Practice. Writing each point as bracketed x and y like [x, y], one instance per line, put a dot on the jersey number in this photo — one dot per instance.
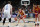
[7, 7]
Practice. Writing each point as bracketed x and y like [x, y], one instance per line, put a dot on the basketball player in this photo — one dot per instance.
[22, 15]
[7, 12]
[36, 12]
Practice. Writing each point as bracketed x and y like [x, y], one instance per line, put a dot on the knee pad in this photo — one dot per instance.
[4, 19]
[9, 19]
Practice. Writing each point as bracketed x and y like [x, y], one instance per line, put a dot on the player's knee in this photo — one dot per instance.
[4, 19]
[10, 20]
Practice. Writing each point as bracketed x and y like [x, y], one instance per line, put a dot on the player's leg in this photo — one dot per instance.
[36, 15]
[10, 20]
[0, 18]
[9, 17]
[36, 19]
[19, 20]
[23, 19]
[4, 18]
[4, 21]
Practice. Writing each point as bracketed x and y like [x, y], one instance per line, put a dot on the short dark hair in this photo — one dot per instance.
[9, 2]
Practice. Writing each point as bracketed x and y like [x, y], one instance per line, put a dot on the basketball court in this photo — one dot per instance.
[21, 24]
[29, 22]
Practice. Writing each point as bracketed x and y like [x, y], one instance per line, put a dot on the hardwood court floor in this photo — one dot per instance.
[20, 24]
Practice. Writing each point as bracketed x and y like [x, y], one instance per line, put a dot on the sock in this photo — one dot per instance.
[4, 21]
[9, 24]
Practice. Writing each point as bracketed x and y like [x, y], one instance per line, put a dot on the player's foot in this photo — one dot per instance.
[17, 25]
[25, 25]
[37, 24]
[8, 26]
[3, 22]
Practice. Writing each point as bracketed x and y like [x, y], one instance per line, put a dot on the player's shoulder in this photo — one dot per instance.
[10, 5]
[23, 11]
[6, 4]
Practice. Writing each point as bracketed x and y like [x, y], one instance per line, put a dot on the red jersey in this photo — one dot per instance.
[39, 10]
[36, 10]
[21, 13]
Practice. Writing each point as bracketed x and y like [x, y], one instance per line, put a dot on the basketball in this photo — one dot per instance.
[24, 16]
[15, 19]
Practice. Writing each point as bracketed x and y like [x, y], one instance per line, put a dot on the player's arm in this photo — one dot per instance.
[11, 10]
[33, 9]
[18, 14]
[38, 15]
[2, 11]
[23, 12]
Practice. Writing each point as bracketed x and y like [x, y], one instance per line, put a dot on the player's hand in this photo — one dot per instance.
[22, 16]
[11, 16]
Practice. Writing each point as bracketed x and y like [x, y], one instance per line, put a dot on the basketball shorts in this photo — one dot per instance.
[23, 17]
[36, 15]
[7, 15]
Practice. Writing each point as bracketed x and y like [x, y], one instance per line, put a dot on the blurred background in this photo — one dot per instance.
[17, 4]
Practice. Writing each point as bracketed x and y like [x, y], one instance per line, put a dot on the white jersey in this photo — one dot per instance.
[7, 8]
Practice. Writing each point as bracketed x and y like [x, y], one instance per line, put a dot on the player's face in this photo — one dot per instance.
[19, 9]
[9, 3]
